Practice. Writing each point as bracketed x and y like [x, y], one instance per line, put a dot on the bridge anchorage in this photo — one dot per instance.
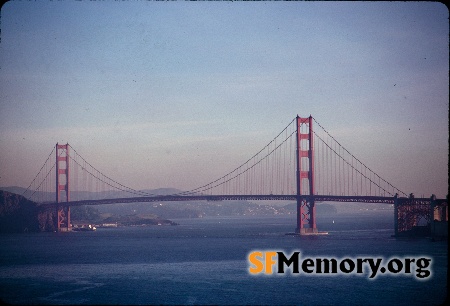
[421, 217]
[300, 164]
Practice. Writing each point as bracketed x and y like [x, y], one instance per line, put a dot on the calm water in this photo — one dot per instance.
[204, 261]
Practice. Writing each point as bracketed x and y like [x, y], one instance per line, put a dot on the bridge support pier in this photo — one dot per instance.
[306, 216]
[63, 219]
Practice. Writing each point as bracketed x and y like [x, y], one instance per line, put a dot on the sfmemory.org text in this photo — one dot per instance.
[276, 262]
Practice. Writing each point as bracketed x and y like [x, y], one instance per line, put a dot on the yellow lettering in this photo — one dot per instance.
[270, 262]
[257, 264]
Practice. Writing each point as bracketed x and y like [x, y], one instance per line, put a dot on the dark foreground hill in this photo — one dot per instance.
[18, 214]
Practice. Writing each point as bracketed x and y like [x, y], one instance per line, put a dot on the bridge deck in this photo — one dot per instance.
[269, 197]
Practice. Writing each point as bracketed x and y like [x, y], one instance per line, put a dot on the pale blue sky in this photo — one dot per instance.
[176, 94]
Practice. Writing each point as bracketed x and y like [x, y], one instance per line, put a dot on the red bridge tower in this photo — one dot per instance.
[306, 210]
[62, 184]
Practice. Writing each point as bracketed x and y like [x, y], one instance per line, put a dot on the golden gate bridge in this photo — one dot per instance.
[301, 163]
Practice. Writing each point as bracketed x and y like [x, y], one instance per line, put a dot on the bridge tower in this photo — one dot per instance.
[62, 184]
[306, 210]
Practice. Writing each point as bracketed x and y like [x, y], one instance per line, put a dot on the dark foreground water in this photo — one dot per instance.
[204, 261]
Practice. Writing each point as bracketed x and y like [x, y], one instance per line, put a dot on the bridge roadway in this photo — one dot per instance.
[177, 198]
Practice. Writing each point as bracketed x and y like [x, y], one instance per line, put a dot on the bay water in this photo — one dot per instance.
[205, 261]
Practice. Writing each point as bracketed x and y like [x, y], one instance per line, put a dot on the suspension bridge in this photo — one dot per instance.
[302, 164]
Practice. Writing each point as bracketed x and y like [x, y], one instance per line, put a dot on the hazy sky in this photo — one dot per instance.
[175, 94]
